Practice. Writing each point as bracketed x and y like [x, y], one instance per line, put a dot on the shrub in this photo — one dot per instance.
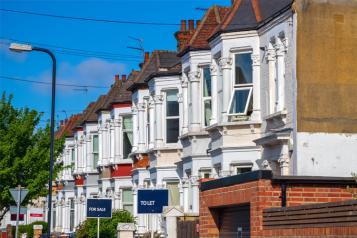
[28, 229]
[108, 226]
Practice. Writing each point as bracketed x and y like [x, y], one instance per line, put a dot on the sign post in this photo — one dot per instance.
[99, 208]
[18, 194]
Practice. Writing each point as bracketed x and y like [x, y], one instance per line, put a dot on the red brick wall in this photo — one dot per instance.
[262, 194]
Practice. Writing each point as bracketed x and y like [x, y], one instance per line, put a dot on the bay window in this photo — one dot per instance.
[206, 95]
[172, 116]
[95, 144]
[241, 100]
[127, 135]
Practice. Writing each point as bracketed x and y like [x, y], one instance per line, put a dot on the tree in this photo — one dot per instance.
[24, 153]
[108, 227]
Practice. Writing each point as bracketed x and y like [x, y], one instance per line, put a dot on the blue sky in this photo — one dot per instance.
[90, 36]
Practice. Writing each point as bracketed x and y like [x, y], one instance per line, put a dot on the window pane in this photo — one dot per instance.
[128, 208]
[174, 195]
[95, 144]
[172, 105]
[243, 170]
[127, 143]
[172, 130]
[206, 82]
[240, 99]
[72, 156]
[243, 68]
[208, 111]
[127, 123]
[127, 196]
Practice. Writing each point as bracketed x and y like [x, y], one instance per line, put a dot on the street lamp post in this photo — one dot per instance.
[22, 48]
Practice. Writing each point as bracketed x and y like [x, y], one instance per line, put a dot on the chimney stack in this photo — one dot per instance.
[61, 122]
[117, 77]
[146, 58]
[123, 77]
[198, 22]
[183, 25]
[191, 26]
[65, 121]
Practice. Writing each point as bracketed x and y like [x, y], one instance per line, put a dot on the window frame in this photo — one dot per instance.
[127, 203]
[246, 105]
[170, 117]
[236, 87]
[205, 98]
[126, 131]
[93, 152]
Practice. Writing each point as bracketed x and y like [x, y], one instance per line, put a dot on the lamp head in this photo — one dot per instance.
[20, 47]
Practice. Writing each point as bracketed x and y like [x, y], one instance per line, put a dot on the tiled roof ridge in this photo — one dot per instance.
[66, 129]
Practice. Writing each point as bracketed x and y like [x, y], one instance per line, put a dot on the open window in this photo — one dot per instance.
[241, 102]
[127, 135]
[206, 95]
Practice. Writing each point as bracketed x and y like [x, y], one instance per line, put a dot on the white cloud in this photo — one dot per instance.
[92, 71]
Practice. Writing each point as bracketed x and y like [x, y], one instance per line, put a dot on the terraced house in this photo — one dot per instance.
[258, 97]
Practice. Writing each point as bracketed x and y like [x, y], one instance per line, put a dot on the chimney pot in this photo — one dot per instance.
[146, 58]
[123, 77]
[61, 122]
[183, 25]
[116, 77]
[198, 22]
[191, 25]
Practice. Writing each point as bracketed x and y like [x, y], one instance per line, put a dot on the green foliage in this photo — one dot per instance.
[24, 153]
[28, 229]
[108, 227]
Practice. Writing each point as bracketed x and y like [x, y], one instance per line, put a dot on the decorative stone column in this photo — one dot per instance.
[112, 140]
[158, 118]
[125, 230]
[226, 66]
[84, 152]
[195, 194]
[271, 57]
[256, 115]
[184, 85]
[284, 160]
[185, 191]
[134, 111]
[117, 196]
[89, 151]
[171, 214]
[142, 127]
[214, 92]
[100, 146]
[194, 77]
[152, 122]
[280, 73]
[118, 140]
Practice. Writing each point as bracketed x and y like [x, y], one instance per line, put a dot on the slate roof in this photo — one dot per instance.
[251, 14]
[207, 26]
[159, 61]
[66, 130]
[118, 93]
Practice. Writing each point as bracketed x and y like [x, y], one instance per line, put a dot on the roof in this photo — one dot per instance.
[66, 129]
[89, 114]
[208, 24]
[251, 14]
[118, 93]
[160, 61]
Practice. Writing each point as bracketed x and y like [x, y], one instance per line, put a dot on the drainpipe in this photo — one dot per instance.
[283, 194]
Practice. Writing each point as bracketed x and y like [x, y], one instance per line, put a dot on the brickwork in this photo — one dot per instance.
[262, 194]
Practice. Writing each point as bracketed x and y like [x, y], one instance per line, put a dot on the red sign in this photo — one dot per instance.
[21, 217]
[36, 215]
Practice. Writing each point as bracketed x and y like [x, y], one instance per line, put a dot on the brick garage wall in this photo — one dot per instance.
[262, 194]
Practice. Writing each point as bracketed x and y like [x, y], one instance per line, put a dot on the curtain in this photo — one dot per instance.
[174, 194]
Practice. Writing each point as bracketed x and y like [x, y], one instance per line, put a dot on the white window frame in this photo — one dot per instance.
[122, 195]
[93, 153]
[237, 87]
[246, 105]
[169, 117]
[125, 131]
[203, 97]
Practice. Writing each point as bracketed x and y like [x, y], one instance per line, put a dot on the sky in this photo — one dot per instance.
[87, 52]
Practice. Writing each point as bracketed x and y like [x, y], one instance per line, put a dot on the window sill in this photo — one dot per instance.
[276, 116]
[194, 134]
[235, 123]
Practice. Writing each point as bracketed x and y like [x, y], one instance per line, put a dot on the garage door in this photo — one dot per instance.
[234, 222]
